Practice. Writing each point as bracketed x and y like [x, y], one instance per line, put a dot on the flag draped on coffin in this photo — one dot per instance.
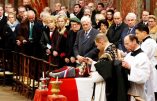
[75, 89]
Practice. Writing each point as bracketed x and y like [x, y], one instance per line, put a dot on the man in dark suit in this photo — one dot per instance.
[3, 21]
[30, 35]
[77, 11]
[145, 17]
[116, 29]
[57, 9]
[84, 45]
[130, 29]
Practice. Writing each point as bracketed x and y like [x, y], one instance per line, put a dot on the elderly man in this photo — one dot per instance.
[149, 46]
[71, 37]
[31, 35]
[138, 68]
[116, 29]
[84, 45]
[131, 23]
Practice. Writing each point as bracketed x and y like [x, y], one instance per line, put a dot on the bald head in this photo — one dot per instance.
[117, 18]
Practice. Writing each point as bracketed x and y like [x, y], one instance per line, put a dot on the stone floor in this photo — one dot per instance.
[6, 94]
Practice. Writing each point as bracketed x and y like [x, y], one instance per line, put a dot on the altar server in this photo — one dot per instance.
[149, 46]
[138, 65]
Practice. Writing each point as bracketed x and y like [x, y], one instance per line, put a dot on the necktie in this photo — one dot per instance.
[129, 31]
[85, 35]
[30, 31]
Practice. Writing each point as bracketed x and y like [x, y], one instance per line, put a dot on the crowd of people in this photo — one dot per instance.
[87, 34]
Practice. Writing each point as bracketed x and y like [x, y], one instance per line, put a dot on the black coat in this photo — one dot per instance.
[3, 22]
[114, 33]
[9, 37]
[116, 79]
[71, 37]
[45, 39]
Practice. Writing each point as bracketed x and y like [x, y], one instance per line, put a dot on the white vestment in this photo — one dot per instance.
[139, 73]
[149, 46]
[99, 94]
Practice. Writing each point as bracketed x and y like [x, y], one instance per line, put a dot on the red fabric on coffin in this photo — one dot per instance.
[40, 95]
[56, 98]
[68, 88]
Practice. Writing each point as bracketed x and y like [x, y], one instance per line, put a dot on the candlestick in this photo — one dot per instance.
[57, 78]
[43, 74]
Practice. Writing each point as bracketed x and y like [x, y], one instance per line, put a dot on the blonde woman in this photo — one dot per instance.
[152, 24]
[59, 41]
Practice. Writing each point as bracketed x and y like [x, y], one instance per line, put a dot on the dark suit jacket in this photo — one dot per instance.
[114, 33]
[125, 33]
[45, 39]
[9, 37]
[3, 22]
[31, 47]
[86, 47]
[141, 22]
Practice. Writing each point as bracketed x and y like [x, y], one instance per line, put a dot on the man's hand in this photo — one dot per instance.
[80, 58]
[48, 51]
[24, 41]
[55, 53]
[18, 42]
[125, 65]
[67, 60]
[88, 60]
[72, 59]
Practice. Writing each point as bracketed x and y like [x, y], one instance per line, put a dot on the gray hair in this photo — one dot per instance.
[86, 19]
[131, 16]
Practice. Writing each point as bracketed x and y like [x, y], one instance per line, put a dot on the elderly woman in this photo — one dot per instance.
[152, 24]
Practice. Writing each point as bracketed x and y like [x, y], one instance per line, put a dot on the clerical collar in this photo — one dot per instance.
[146, 38]
[137, 51]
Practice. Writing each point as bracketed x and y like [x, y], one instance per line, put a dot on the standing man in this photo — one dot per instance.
[138, 68]
[71, 37]
[116, 29]
[84, 45]
[30, 32]
[149, 46]
[131, 24]
[3, 21]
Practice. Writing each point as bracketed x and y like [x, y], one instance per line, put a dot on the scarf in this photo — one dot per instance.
[12, 26]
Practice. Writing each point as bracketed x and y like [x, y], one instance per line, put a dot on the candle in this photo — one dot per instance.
[57, 78]
[43, 74]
